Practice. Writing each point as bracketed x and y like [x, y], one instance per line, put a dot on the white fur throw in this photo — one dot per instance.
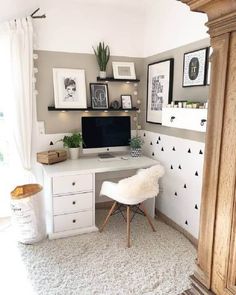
[143, 184]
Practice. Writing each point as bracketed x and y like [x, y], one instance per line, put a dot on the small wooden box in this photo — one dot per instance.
[51, 157]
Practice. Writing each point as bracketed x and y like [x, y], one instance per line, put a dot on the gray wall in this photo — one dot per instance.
[199, 93]
[58, 122]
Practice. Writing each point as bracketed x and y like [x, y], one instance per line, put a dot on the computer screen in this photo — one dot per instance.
[106, 132]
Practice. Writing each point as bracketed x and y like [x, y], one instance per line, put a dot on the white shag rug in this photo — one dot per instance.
[99, 263]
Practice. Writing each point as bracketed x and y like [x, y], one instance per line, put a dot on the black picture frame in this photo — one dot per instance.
[165, 67]
[99, 103]
[201, 76]
[122, 102]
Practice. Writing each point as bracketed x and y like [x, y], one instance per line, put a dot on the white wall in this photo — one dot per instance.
[76, 25]
[137, 28]
[171, 24]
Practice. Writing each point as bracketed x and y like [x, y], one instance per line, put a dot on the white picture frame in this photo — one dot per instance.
[123, 70]
[69, 88]
[126, 101]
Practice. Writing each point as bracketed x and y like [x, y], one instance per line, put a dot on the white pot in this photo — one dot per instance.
[103, 74]
[74, 153]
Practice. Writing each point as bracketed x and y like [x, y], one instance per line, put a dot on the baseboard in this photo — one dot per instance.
[104, 205]
[197, 288]
[171, 223]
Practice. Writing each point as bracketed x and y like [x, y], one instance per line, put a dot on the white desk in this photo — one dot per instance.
[69, 189]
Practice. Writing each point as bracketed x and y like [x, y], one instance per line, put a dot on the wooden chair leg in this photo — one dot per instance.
[108, 216]
[148, 218]
[128, 226]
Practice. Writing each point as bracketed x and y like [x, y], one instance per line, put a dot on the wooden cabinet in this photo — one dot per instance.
[192, 119]
[70, 204]
[216, 262]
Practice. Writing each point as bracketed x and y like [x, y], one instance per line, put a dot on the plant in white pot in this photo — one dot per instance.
[136, 143]
[102, 55]
[73, 143]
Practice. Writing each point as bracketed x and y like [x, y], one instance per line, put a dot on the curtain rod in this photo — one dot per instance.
[37, 16]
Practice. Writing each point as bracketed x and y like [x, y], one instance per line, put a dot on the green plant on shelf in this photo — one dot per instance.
[102, 54]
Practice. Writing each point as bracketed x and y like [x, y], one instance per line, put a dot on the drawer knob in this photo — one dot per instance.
[73, 183]
[172, 118]
[74, 221]
[74, 202]
[203, 121]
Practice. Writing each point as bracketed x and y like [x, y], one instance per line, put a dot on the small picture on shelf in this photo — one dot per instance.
[99, 96]
[126, 101]
[123, 70]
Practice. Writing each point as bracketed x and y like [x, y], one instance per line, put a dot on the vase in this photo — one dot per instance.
[103, 74]
[74, 153]
[136, 152]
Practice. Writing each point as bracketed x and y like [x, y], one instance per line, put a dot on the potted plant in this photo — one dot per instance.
[136, 143]
[102, 55]
[73, 143]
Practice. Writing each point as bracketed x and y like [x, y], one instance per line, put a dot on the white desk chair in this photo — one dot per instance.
[130, 193]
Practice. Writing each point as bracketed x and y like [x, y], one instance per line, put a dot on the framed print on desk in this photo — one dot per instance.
[159, 89]
[69, 88]
[126, 101]
[99, 96]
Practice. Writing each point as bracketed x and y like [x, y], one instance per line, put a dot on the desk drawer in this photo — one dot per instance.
[72, 183]
[73, 221]
[72, 203]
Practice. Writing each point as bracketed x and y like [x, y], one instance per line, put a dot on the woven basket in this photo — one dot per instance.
[136, 152]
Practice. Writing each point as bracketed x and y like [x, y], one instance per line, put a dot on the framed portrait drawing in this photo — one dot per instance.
[69, 88]
[195, 68]
[126, 101]
[99, 96]
[123, 70]
[159, 89]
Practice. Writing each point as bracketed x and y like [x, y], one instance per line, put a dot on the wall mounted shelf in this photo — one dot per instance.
[52, 108]
[111, 79]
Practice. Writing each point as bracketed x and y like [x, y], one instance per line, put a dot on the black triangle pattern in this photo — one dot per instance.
[176, 194]
[180, 167]
[162, 149]
[189, 151]
[171, 167]
[173, 149]
[200, 152]
[153, 154]
[144, 134]
[51, 143]
[150, 143]
[157, 142]
[196, 173]
[186, 222]
[159, 138]
[185, 186]
[196, 207]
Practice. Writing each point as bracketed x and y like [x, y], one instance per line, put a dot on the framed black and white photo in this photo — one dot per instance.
[99, 95]
[195, 68]
[69, 88]
[126, 101]
[159, 89]
[124, 70]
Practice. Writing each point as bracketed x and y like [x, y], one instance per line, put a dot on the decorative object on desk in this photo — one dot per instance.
[195, 68]
[51, 157]
[69, 88]
[102, 55]
[99, 95]
[123, 70]
[136, 143]
[159, 92]
[126, 101]
[73, 143]
[115, 105]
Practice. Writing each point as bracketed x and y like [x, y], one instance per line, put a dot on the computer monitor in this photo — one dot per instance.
[105, 134]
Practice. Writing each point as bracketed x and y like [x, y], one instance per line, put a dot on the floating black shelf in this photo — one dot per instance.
[111, 79]
[52, 108]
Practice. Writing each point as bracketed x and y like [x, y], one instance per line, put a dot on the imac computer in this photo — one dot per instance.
[106, 134]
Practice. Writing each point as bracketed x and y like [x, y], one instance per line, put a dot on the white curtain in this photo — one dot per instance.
[17, 76]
